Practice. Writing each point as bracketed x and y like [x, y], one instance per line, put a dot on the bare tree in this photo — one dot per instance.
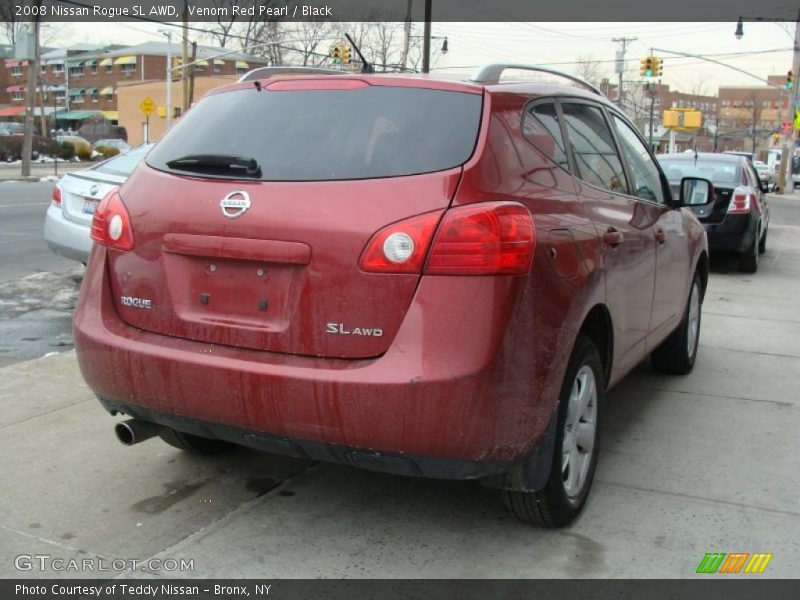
[698, 86]
[9, 25]
[310, 40]
[589, 69]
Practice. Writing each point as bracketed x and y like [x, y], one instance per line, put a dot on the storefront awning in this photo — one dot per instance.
[74, 64]
[111, 115]
[217, 61]
[76, 92]
[240, 64]
[16, 63]
[91, 91]
[106, 62]
[106, 91]
[91, 63]
[12, 111]
[201, 63]
[16, 88]
[75, 115]
[125, 60]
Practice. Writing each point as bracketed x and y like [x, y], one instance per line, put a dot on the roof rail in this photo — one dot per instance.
[491, 72]
[269, 72]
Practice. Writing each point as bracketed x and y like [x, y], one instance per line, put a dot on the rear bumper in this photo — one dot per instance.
[735, 234]
[66, 238]
[443, 393]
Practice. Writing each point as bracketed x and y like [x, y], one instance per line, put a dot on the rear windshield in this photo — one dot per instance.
[317, 135]
[726, 173]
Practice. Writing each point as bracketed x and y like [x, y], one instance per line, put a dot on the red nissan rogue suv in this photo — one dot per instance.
[410, 275]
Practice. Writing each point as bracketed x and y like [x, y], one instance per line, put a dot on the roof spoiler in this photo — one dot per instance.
[270, 72]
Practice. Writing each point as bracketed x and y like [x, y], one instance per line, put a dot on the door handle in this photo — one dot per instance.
[612, 237]
[661, 237]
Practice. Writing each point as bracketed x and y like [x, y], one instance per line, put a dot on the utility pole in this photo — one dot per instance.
[652, 90]
[620, 64]
[406, 36]
[794, 106]
[185, 59]
[33, 71]
[426, 38]
[170, 110]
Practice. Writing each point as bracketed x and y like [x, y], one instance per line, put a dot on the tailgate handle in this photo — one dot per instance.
[272, 251]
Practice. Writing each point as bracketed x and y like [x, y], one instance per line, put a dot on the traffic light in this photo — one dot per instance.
[646, 68]
[790, 80]
[658, 67]
[340, 54]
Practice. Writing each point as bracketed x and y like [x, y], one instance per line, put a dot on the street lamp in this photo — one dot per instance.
[739, 29]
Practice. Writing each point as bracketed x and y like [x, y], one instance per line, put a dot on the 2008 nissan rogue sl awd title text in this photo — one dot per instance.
[411, 275]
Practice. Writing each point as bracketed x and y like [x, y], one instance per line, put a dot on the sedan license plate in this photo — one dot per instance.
[89, 206]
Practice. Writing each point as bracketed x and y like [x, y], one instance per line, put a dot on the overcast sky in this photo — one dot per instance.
[551, 43]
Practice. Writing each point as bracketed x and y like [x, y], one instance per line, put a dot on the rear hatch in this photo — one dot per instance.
[268, 259]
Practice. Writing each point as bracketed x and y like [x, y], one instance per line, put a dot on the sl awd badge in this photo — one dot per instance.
[235, 204]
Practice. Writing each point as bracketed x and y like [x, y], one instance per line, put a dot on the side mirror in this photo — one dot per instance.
[696, 192]
[764, 186]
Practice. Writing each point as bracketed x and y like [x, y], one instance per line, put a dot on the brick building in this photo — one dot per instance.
[749, 116]
[82, 81]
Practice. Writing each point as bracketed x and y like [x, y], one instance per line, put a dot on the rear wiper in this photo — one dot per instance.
[205, 162]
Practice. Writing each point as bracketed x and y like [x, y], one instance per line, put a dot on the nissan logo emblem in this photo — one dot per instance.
[235, 204]
[94, 189]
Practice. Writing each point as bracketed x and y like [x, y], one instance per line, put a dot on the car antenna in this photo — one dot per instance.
[257, 84]
[366, 67]
[695, 156]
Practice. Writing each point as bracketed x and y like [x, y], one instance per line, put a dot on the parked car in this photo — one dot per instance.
[75, 198]
[765, 173]
[78, 143]
[415, 276]
[14, 128]
[120, 145]
[738, 220]
[100, 129]
[795, 172]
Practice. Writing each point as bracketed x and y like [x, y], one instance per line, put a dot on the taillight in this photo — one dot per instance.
[483, 239]
[57, 196]
[111, 225]
[739, 204]
[402, 246]
[494, 238]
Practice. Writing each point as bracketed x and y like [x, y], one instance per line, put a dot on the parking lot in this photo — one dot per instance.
[689, 465]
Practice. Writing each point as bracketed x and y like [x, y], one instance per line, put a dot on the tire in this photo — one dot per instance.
[676, 354]
[762, 243]
[748, 260]
[563, 498]
[194, 444]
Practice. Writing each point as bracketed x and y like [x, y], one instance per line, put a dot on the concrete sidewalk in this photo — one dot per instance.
[13, 172]
[689, 465]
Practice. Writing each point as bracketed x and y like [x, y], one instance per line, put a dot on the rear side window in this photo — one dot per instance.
[540, 127]
[124, 164]
[596, 157]
[319, 135]
[643, 170]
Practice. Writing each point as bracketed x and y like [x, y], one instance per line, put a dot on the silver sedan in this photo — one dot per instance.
[76, 196]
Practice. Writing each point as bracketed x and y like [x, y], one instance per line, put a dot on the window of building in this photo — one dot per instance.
[128, 70]
[93, 69]
[17, 96]
[57, 68]
[16, 71]
[76, 72]
[109, 68]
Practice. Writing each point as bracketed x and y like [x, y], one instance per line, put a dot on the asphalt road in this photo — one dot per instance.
[37, 288]
[22, 248]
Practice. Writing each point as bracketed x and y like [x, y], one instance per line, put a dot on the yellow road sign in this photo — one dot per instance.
[147, 106]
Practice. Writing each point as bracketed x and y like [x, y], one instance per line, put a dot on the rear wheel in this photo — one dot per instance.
[762, 243]
[748, 260]
[575, 454]
[676, 354]
[194, 444]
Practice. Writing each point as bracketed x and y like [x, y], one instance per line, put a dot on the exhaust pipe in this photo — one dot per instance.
[133, 431]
